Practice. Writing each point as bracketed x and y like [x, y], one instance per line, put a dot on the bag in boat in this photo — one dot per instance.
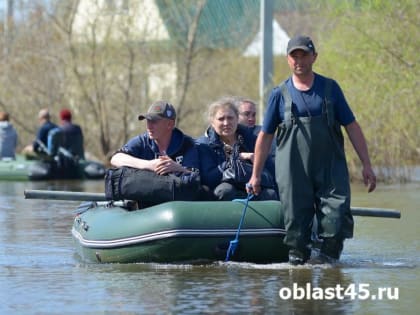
[126, 183]
[238, 173]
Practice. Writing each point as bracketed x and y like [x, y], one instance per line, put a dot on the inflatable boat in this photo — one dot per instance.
[21, 169]
[180, 232]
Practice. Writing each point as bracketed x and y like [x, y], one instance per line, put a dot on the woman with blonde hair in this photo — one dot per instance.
[223, 140]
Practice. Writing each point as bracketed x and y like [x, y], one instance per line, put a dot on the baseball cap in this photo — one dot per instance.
[300, 42]
[158, 110]
[65, 114]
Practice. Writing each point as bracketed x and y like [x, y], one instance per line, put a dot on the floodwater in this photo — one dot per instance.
[40, 273]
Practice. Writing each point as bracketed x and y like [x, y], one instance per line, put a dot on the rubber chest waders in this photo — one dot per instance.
[312, 175]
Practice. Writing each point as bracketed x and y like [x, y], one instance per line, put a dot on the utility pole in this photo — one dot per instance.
[8, 25]
[266, 56]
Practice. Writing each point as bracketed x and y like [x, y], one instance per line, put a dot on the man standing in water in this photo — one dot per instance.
[311, 170]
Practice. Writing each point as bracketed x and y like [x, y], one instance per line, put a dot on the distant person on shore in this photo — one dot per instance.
[39, 146]
[71, 135]
[8, 137]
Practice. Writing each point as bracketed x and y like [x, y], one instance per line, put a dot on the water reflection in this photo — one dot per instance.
[319, 291]
[40, 272]
[221, 288]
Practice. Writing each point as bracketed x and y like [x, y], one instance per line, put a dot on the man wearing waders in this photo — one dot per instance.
[308, 111]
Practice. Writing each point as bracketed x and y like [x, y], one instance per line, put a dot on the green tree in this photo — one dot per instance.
[373, 54]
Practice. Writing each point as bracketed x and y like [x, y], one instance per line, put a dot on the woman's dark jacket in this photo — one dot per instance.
[213, 158]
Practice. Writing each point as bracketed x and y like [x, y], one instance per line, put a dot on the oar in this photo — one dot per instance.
[64, 195]
[375, 212]
[87, 196]
[234, 243]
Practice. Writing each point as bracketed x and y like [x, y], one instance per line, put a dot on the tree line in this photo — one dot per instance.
[104, 81]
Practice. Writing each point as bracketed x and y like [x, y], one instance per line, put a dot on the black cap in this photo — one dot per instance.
[300, 42]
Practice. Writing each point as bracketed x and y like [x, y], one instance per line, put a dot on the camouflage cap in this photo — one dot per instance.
[159, 110]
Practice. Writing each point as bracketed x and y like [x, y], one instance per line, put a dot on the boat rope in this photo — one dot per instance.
[233, 244]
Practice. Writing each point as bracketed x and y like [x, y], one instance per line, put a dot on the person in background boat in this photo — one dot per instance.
[247, 110]
[248, 117]
[163, 148]
[8, 137]
[218, 143]
[39, 146]
[308, 110]
[71, 135]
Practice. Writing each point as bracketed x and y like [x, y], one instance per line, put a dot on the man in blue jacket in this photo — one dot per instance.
[167, 152]
[163, 148]
[40, 144]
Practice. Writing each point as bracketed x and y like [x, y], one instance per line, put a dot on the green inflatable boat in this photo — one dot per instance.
[23, 169]
[180, 232]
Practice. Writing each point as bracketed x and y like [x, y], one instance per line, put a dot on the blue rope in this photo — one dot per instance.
[234, 243]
